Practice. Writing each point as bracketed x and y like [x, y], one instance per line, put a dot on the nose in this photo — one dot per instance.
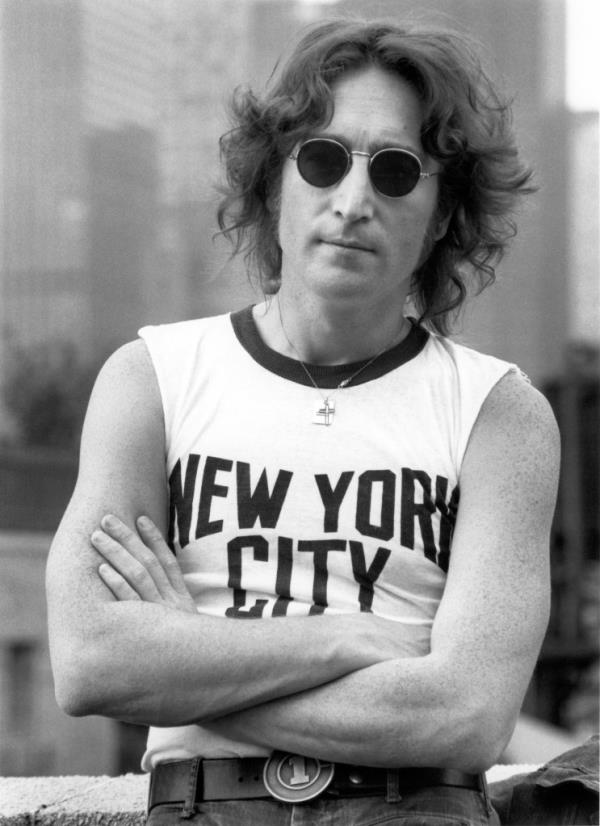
[353, 197]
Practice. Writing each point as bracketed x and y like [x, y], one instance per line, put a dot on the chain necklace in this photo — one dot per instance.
[324, 410]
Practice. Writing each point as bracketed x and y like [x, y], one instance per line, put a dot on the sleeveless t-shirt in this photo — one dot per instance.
[274, 515]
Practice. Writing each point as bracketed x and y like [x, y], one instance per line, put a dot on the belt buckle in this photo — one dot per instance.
[293, 778]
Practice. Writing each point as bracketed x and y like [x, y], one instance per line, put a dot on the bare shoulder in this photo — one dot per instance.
[514, 397]
[125, 397]
[125, 407]
[511, 464]
[518, 419]
[130, 369]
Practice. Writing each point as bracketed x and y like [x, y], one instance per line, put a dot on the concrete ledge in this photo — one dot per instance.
[73, 801]
[101, 801]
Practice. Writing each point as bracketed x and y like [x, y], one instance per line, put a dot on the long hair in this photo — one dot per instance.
[466, 127]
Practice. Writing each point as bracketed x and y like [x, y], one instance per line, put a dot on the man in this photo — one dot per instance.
[375, 498]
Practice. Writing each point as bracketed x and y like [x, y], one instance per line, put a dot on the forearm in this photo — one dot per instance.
[128, 642]
[395, 713]
[147, 664]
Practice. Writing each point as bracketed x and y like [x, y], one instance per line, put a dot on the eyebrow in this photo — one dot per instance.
[376, 145]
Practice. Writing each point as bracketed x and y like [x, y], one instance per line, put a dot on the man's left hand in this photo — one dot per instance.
[140, 566]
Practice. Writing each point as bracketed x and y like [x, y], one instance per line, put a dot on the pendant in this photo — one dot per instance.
[324, 411]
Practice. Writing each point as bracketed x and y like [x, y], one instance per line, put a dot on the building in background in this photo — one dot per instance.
[110, 113]
[207, 51]
[41, 171]
[78, 88]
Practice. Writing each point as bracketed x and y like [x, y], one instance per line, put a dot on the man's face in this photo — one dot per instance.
[347, 242]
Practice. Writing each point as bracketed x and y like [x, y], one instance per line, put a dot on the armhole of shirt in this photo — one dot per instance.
[504, 369]
[153, 336]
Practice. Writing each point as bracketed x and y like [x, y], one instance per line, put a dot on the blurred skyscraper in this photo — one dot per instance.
[78, 81]
[206, 51]
[110, 114]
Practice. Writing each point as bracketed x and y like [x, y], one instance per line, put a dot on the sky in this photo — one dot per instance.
[583, 54]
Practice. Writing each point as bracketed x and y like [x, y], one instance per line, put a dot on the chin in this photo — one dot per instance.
[345, 286]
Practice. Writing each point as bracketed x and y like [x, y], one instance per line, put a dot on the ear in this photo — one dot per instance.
[273, 201]
[441, 226]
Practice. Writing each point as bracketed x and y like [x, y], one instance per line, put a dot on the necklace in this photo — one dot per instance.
[324, 410]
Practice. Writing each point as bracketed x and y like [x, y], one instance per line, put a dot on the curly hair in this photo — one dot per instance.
[466, 127]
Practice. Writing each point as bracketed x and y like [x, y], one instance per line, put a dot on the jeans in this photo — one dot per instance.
[439, 806]
[564, 791]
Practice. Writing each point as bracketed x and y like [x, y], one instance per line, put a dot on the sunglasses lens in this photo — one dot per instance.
[395, 172]
[322, 163]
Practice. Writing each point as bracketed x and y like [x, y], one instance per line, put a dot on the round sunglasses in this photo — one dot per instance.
[393, 172]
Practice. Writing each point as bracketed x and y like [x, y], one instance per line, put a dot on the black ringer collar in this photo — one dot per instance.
[327, 377]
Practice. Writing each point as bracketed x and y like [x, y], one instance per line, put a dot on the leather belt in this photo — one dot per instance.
[291, 778]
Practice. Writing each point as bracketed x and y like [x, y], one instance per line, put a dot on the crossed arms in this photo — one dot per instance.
[126, 641]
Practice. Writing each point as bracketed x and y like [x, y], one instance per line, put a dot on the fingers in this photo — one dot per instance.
[153, 538]
[143, 561]
[121, 557]
[118, 586]
[135, 545]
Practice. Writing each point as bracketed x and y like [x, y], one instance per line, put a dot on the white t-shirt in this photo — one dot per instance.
[274, 515]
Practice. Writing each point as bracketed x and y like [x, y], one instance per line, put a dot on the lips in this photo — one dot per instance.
[348, 243]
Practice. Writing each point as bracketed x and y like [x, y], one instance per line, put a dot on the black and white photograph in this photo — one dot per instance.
[299, 412]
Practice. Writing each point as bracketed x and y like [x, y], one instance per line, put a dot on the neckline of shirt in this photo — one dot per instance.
[325, 376]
